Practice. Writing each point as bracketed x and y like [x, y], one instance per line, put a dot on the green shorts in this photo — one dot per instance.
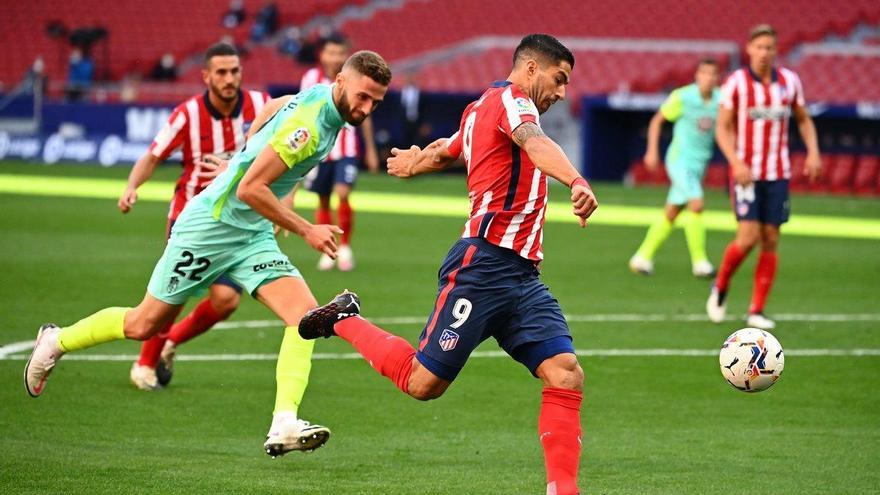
[686, 182]
[199, 252]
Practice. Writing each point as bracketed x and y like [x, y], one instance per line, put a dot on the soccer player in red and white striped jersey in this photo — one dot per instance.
[489, 282]
[213, 123]
[338, 173]
[752, 133]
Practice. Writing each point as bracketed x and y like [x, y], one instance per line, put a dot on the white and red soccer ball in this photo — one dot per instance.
[751, 360]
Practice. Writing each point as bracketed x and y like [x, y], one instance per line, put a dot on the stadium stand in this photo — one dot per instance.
[458, 46]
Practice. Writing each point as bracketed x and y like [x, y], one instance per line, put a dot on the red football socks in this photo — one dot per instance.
[151, 349]
[322, 216]
[559, 429]
[733, 257]
[765, 272]
[203, 317]
[346, 220]
[388, 354]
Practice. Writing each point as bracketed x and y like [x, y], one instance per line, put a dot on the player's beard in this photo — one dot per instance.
[222, 93]
[346, 112]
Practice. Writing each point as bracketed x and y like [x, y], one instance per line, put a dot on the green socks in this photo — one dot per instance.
[656, 236]
[292, 370]
[103, 326]
[695, 234]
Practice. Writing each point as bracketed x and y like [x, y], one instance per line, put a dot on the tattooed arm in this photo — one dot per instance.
[550, 159]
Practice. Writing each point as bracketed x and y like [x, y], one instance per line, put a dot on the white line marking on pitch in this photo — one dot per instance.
[624, 317]
[477, 354]
[8, 352]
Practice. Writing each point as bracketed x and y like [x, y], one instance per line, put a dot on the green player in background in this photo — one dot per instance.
[228, 230]
[693, 109]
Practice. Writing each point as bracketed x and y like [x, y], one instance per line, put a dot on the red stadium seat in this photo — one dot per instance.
[841, 177]
[867, 176]
[798, 181]
[823, 183]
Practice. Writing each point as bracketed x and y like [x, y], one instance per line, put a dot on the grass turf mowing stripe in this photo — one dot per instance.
[443, 206]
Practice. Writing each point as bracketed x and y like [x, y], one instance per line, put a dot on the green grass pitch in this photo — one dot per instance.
[665, 424]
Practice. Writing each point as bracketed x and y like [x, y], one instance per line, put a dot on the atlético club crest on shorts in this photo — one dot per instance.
[448, 340]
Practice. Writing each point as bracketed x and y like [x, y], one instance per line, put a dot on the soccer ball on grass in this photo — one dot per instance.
[751, 360]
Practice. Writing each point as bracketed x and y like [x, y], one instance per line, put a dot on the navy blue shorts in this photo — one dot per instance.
[487, 291]
[222, 279]
[764, 201]
[322, 178]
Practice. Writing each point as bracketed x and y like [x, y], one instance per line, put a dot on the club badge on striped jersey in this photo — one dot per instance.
[298, 138]
[448, 340]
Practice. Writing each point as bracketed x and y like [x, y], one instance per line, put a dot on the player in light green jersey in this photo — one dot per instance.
[693, 109]
[228, 229]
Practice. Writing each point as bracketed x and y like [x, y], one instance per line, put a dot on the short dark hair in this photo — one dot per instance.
[334, 39]
[219, 50]
[543, 45]
[762, 30]
[370, 64]
[708, 61]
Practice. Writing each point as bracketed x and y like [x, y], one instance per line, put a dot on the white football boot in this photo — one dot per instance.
[345, 258]
[288, 433]
[640, 265]
[716, 306]
[165, 366]
[326, 263]
[144, 377]
[703, 269]
[43, 359]
[759, 321]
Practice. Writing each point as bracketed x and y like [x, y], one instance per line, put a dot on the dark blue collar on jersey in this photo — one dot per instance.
[774, 76]
[501, 84]
[236, 111]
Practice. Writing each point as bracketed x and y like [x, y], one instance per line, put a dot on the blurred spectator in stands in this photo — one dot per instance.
[128, 89]
[80, 73]
[266, 23]
[165, 69]
[410, 106]
[242, 49]
[291, 42]
[235, 15]
[35, 80]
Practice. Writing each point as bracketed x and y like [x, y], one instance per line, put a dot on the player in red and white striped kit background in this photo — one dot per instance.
[752, 133]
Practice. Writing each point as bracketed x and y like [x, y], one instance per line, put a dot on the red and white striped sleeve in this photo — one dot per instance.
[518, 108]
[799, 98]
[171, 136]
[453, 144]
[729, 92]
[310, 78]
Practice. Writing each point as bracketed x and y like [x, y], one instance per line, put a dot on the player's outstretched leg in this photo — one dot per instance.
[53, 342]
[390, 355]
[107, 325]
[320, 322]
